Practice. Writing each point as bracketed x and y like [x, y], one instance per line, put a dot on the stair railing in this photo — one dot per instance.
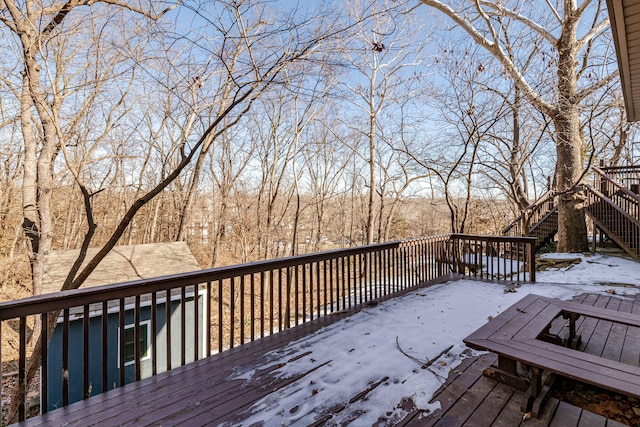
[533, 215]
[617, 193]
[628, 175]
[621, 227]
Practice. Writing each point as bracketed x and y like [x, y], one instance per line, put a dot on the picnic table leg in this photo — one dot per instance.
[534, 390]
[574, 341]
[507, 365]
[506, 373]
[537, 392]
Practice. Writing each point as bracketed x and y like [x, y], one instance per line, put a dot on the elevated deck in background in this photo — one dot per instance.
[202, 393]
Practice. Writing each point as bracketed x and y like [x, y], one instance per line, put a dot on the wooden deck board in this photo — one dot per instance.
[468, 402]
[509, 415]
[617, 334]
[492, 404]
[205, 392]
[459, 380]
[505, 411]
[631, 349]
[597, 331]
[566, 415]
[174, 390]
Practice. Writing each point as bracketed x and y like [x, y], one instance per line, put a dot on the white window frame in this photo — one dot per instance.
[147, 353]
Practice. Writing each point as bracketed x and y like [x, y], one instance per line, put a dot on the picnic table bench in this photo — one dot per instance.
[520, 334]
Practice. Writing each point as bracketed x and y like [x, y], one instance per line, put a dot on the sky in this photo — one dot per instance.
[392, 340]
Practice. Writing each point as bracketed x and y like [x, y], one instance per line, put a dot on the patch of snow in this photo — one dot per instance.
[561, 255]
[593, 269]
[384, 348]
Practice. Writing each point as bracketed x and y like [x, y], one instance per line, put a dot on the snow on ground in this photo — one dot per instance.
[394, 339]
[594, 268]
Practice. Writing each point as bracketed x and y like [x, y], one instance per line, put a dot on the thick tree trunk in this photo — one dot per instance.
[38, 179]
[572, 229]
[29, 182]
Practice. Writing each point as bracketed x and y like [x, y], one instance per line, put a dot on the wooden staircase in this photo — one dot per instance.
[613, 204]
[540, 220]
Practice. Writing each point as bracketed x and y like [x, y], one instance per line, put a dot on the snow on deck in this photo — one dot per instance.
[385, 349]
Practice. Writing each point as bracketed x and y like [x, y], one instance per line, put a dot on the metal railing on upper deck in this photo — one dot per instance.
[104, 337]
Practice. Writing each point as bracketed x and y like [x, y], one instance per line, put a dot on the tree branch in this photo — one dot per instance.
[522, 19]
[498, 53]
[597, 29]
[600, 84]
[554, 11]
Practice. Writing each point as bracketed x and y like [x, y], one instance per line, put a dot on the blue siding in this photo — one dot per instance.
[95, 350]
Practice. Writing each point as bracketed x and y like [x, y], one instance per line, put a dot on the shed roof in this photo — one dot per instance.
[122, 264]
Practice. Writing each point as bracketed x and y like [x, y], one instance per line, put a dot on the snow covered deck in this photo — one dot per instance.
[385, 364]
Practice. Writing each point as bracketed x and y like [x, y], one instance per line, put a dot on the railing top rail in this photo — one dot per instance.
[539, 202]
[78, 297]
[613, 205]
[625, 168]
[615, 183]
[516, 239]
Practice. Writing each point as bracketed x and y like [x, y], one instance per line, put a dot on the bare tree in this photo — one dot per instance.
[507, 154]
[467, 115]
[228, 161]
[35, 26]
[382, 56]
[326, 160]
[569, 38]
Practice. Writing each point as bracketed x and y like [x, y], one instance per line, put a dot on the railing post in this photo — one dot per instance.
[531, 261]
[458, 255]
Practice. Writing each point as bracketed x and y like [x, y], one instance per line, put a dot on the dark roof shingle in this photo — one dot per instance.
[122, 264]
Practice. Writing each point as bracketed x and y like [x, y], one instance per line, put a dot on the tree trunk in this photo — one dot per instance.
[188, 202]
[372, 176]
[572, 229]
[29, 183]
[221, 229]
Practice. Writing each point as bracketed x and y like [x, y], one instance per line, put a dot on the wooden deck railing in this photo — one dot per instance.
[628, 176]
[617, 223]
[493, 257]
[111, 335]
[617, 192]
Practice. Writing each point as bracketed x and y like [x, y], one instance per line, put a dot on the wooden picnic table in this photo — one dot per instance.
[520, 334]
